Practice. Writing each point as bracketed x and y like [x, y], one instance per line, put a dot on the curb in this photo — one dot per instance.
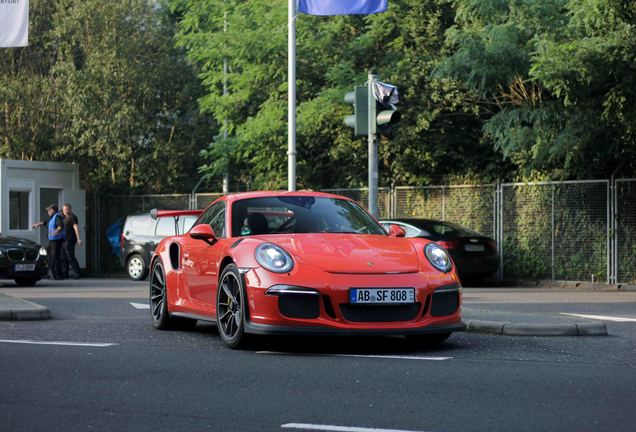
[14, 309]
[521, 329]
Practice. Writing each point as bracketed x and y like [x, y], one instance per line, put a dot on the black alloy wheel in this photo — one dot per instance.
[158, 297]
[161, 318]
[231, 307]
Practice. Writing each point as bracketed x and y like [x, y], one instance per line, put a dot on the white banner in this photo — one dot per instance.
[14, 23]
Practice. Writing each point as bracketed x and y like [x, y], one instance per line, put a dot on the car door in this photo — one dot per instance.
[199, 261]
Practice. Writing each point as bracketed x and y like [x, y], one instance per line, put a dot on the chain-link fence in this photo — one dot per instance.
[553, 230]
[625, 230]
[202, 200]
[112, 210]
[469, 205]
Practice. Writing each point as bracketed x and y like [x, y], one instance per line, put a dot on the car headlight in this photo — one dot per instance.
[274, 258]
[438, 257]
[43, 252]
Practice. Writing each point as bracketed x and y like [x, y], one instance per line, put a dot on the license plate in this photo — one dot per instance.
[381, 295]
[24, 267]
[474, 248]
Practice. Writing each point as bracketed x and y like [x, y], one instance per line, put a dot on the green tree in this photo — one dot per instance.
[554, 80]
[102, 85]
[440, 125]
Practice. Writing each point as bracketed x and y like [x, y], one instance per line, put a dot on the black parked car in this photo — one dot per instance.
[22, 260]
[474, 254]
[140, 236]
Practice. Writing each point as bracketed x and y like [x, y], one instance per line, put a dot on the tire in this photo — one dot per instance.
[158, 300]
[26, 281]
[428, 339]
[231, 308]
[137, 267]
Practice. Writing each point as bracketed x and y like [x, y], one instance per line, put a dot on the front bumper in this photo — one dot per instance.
[318, 303]
[8, 269]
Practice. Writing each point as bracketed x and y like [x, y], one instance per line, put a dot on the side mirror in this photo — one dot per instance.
[203, 232]
[396, 231]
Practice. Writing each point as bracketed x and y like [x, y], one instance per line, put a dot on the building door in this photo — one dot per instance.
[47, 197]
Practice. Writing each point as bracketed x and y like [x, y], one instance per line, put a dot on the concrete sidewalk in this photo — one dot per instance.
[16, 309]
[484, 311]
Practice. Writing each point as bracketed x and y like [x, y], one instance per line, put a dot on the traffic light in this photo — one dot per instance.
[384, 115]
[359, 121]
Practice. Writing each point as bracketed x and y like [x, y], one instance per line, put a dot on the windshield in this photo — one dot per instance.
[300, 214]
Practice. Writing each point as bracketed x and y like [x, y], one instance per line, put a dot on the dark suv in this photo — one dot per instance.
[140, 236]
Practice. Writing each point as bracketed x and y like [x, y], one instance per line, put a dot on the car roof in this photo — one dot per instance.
[264, 194]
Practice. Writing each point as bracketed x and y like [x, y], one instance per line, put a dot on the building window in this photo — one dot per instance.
[19, 210]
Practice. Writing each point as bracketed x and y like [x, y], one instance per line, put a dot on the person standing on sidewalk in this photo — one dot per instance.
[55, 227]
[72, 237]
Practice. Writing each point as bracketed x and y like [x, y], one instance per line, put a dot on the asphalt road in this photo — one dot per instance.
[129, 377]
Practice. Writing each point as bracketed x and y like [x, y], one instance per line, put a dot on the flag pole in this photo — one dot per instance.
[291, 96]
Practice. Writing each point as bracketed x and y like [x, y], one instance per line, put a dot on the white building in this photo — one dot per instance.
[28, 187]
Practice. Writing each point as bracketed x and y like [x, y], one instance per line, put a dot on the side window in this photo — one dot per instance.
[165, 227]
[186, 223]
[215, 217]
[410, 231]
[140, 225]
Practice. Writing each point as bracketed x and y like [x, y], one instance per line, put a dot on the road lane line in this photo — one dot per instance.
[394, 357]
[140, 305]
[600, 317]
[319, 427]
[62, 343]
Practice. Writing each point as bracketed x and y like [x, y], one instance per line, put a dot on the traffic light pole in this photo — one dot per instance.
[373, 148]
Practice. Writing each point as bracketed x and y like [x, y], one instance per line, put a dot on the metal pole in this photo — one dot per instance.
[552, 232]
[373, 149]
[500, 211]
[291, 96]
[226, 176]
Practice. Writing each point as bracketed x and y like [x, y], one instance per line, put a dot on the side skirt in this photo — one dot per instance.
[193, 316]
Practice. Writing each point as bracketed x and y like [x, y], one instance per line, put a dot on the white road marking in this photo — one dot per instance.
[600, 317]
[63, 343]
[395, 357]
[140, 305]
[309, 426]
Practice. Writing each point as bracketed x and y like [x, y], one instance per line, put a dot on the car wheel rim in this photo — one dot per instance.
[230, 307]
[157, 293]
[135, 267]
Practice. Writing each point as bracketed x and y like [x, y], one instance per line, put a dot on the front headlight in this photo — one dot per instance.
[43, 252]
[438, 257]
[274, 258]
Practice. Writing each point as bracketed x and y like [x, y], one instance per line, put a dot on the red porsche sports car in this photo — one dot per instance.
[276, 263]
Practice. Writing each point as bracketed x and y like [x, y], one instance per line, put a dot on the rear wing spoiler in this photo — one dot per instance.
[155, 214]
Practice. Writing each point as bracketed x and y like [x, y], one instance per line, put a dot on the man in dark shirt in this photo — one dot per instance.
[55, 226]
[72, 237]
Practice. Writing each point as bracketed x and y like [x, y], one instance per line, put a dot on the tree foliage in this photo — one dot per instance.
[102, 85]
[439, 136]
[134, 91]
[554, 79]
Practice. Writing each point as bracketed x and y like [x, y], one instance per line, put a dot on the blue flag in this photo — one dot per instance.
[341, 7]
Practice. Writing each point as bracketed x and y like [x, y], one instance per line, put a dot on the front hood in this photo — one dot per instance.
[14, 241]
[352, 253]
